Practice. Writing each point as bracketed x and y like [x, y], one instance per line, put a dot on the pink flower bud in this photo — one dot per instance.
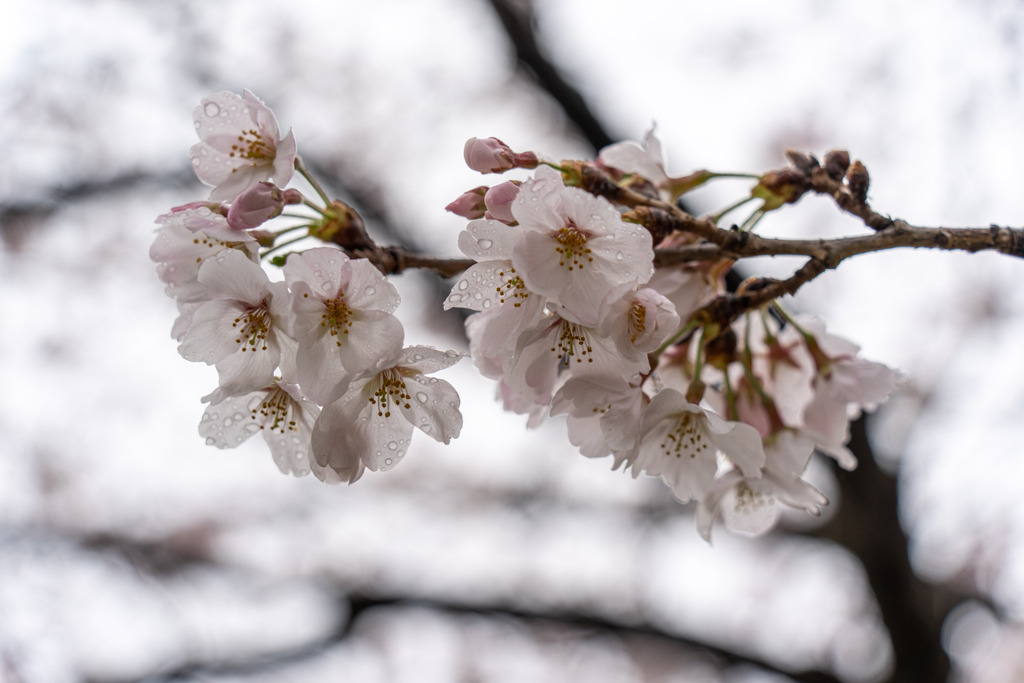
[488, 156]
[499, 201]
[258, 204]
[469, 204]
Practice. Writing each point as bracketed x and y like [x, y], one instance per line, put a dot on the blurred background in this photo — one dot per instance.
[131, 551]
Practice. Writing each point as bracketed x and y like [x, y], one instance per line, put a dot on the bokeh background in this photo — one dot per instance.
[130, 551]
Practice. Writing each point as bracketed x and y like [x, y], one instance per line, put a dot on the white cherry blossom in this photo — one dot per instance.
[574, 246]
[681, 441]
[281, 414]
[370, 427]
[342, 319]
[239, 328]
[239, 145]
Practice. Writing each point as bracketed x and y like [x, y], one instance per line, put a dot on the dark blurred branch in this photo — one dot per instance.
[518, 21]
[867, 524]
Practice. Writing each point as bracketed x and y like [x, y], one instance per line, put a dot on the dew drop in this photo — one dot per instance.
[388, 461]
[421, 397]
[326, 286]
[392, 445]
[238, 416]
[487, 303]
[463, 285]
[484, 244]
[210, 441]
[214, 416]
[370, 290]
[619, 256]
[228, 421]
[211, 109]
[299, 455]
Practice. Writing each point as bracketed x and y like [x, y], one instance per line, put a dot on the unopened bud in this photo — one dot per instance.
[469, 204]
[780, 187]
[255, 206]
[805, 163]
[858, 180]
[837, 161]
[491, 155]
[499, 201]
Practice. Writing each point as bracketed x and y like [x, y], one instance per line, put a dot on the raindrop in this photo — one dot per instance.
[211, 109]
[463, 284]
[422, 397]
[299, 455]
[388, 461]
[619, 256]
[228, 421]
[370, 290]
[210, 441]
[238, 416]
[392, 445]
[487, 303]
[326, 286]
[484, 244]
[214, 416]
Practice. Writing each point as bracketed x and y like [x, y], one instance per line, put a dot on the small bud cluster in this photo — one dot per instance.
[316, 362]
[725, 401]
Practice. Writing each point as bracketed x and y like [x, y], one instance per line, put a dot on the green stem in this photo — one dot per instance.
[278, 247]
[301, 168]
[729, 209]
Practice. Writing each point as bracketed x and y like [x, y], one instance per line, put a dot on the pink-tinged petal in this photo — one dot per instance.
[539, 205]
[250, 367]
[320, 268]
[740, 442]
[537, 260]
[433, 407]
[330, 449]
[373, 335]
[709, 508]
[228, 423]
[426, 359]
[284, 159]
[367, 289]
[209, 339]
[488, 240]
[319, 371]
[231, 275]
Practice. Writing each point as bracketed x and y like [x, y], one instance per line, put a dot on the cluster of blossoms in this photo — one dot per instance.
[315, 362]
[570, 316]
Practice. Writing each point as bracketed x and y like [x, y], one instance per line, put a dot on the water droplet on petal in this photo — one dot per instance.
[421, 396]
[210, 441]
[484, 244]
[228, 421]
[211, 109]
[619, 256]
[463, 284]
[370, 290]
[388, 461]
[487, 303]
[392, 445]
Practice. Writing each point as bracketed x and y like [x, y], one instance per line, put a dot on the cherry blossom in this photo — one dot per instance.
[751, 505]
[239, 145]
[681, 441]
[239, 328]
[370, 427]
[575, 247]
[281, 414]
[645, 159]
[342, 319]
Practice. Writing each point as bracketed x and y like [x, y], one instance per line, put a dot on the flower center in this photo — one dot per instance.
[337, 318]
[684, 438]
[253, 147]
[513, 289]
[637, 321]
[572, 246]
[276, 412]
[390, 388]
[572, 342]
[253, 327]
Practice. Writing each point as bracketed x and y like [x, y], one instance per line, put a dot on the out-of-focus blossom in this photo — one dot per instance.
[498, 201]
